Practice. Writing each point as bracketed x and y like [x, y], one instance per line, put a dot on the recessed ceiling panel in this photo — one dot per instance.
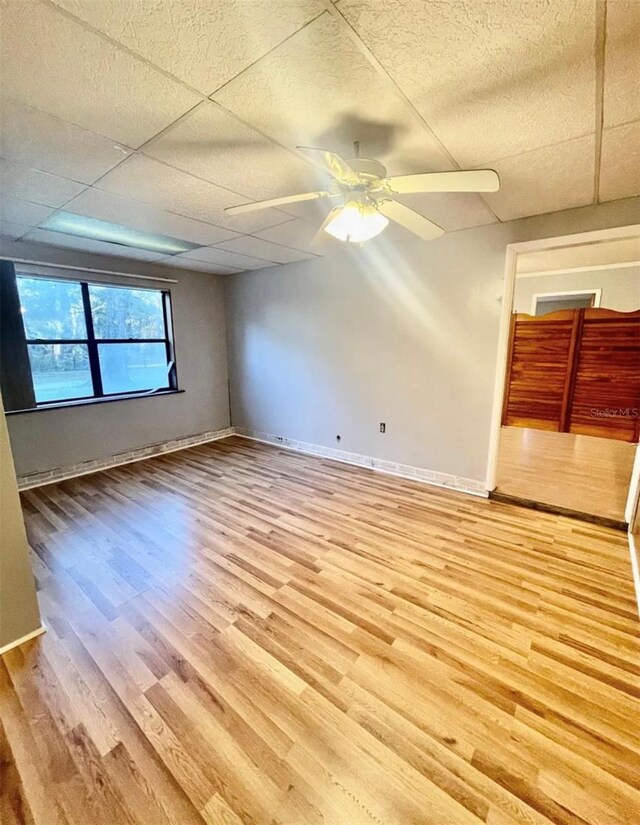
[545, 180]
[493, 79]
[318, 89]
[81, 226]
[622, 63]
[33, 185]
[620, 175]
[15, 210]
[212, 144]
[260, 248]
[86, 245]
[205, 44]
[144, 179]
[214, 255]
[34, 138]
[55, 64]
[96, 203]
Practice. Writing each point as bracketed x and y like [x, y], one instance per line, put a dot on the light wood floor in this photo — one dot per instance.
[239, 634]
[577, 472]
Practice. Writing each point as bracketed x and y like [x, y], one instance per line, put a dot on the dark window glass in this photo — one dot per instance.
[52, 309]
[126, 313]
[133, 367]
[60, 371]
[88, 340]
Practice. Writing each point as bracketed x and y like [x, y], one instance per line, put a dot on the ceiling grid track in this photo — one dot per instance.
[204, 98]
[266, 54]
[139, 150]
[337, 15]
[600, 49]
[590, 172]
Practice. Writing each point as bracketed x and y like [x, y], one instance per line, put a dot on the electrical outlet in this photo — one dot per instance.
[383, 427]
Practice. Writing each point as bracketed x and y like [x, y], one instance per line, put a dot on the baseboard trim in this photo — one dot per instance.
[26, 638]
[27, 482]
[435, 479]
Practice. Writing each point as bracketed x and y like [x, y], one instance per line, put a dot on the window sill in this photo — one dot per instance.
[84, 402]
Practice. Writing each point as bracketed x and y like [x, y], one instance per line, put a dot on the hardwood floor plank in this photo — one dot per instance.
[241, 634]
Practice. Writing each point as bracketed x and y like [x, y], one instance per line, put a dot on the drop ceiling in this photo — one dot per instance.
[158, 114]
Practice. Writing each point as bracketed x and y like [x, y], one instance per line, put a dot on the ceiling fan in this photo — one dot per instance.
[368, 196]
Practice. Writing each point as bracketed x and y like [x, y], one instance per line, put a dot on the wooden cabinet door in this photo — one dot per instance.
[606, 393]
[538, 370]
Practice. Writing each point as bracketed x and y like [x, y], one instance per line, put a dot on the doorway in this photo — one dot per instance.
[566, 432]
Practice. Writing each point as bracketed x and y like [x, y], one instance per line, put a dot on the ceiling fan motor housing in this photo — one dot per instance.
[368, 168]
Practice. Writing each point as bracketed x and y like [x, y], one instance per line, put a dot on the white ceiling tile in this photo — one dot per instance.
[88, 245]
[318, 89]
[260, 248]
[212, 144]
[203, 43]
[622, 63]
[37, 139]
[33, 185]
[15, 210]
[144, 179]
[214, 255]
[299, 234]
[197, 266]
[620, 170]
[96, 203]
[12, 231]
[55, 64]
[493, 79]
[545, 180]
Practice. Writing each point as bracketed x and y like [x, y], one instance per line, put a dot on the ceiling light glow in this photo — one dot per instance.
[83, 227]
[357, 222]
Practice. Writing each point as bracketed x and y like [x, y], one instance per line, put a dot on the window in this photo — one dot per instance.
[89, 340]
[553, 301]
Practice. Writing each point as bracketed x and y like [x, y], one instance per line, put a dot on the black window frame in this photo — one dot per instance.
[92, 343]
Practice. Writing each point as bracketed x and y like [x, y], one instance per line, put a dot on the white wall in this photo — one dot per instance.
[620, 287]
[48, 439]
[404, 334]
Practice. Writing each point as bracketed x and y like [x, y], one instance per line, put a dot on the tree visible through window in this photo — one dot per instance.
[90, 340]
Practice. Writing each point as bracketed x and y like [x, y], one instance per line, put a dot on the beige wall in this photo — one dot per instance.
[620, 287]
[404, 334]
[48, 439]
[18, 606]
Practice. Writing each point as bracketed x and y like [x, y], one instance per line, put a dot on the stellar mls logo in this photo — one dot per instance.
[615, 412]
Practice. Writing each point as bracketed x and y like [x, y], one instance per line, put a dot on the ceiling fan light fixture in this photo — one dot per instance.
[356, 222]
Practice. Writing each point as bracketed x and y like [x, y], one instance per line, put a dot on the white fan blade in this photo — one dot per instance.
[411, 220]
[250, 207]
[321, 235]
[473, 180]
[332, 163]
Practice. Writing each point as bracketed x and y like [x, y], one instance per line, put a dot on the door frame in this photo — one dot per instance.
[510, 267]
